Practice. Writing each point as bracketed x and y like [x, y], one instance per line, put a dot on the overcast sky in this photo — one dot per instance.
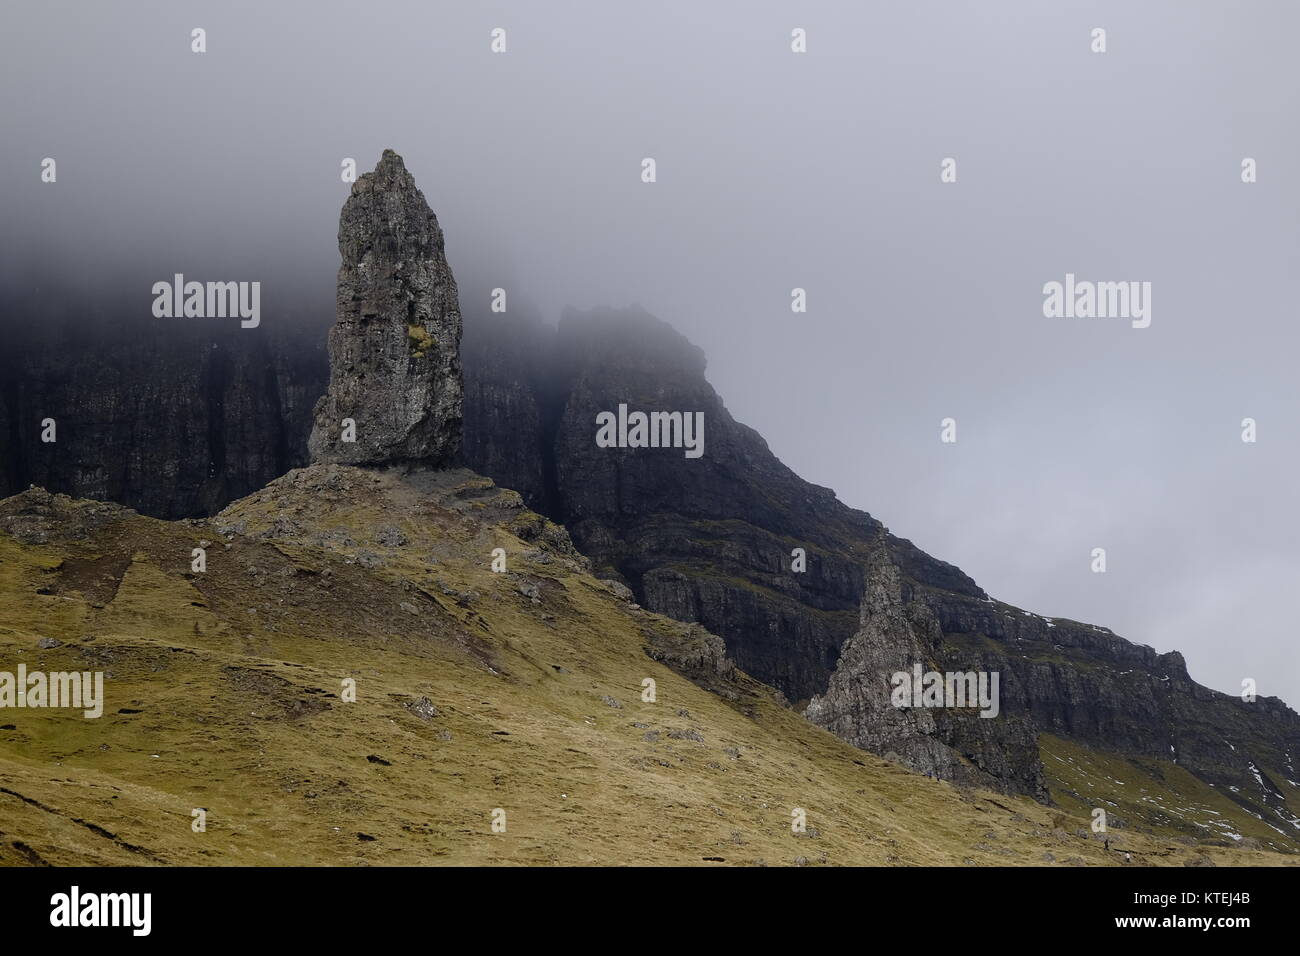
[777, 170]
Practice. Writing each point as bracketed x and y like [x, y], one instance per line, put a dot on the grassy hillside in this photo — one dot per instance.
[1158, 796]
[475, 691]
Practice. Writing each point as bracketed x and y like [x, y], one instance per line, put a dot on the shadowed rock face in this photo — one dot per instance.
[394, 349]
[171, 420]
[504, 357]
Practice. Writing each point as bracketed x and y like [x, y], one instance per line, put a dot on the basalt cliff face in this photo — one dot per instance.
[173, 421]
[714, 540]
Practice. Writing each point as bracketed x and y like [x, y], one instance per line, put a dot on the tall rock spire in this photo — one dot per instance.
[395, 391]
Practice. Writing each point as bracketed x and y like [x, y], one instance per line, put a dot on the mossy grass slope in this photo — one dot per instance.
[476, 691]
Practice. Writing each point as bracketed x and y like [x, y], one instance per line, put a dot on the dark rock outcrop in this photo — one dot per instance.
[173, 421]
[505, 358]
[894, 636]
[395, 391]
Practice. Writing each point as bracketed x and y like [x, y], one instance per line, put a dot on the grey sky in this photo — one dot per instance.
[779, 170]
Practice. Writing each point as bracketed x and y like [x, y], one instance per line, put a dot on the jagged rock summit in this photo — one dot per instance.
[395, 391]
